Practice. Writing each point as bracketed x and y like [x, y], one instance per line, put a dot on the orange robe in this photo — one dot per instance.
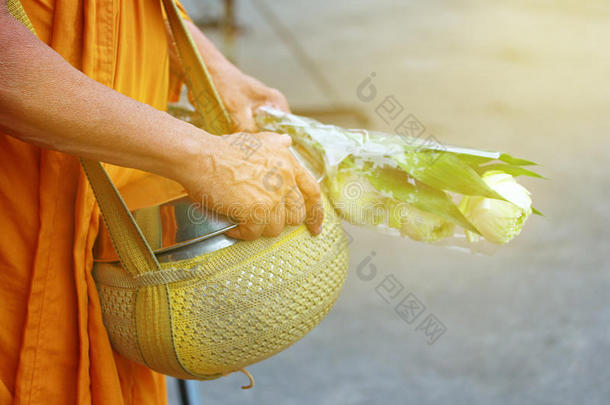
[53, 345]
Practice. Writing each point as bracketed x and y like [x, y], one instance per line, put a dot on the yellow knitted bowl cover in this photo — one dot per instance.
[208, 316]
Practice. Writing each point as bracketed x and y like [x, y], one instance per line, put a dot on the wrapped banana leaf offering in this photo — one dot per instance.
[409, 186]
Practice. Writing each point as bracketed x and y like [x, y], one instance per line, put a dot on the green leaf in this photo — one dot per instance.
[445, 171]
[475, 157]
[473, 160]
[509, 169]
[505, 157]
[536, 212]
[437, 202]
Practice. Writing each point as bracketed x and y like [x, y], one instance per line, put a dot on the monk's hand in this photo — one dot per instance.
[254, 179]
[243, 95]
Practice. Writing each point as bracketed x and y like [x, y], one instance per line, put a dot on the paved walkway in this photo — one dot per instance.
[528, 325]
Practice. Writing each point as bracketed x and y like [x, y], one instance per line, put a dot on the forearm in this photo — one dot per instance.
[45, 101]
[215, 61]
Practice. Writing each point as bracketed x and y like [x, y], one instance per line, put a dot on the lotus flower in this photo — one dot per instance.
[356, 200]
[417, 224]
[497, 220]
[368, 174]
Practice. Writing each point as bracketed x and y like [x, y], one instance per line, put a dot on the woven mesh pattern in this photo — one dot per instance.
[259, 306]
[17, 11]
[238, 305]
[118, 312]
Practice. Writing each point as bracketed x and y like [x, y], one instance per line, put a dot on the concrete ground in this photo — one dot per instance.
[527, 325]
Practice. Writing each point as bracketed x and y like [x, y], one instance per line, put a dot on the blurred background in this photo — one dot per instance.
[529, 324]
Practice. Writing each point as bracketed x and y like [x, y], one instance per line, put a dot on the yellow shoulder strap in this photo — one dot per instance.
[206, 100]
[134, 252]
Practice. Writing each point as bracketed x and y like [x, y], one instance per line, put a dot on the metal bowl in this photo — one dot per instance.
[176, 230]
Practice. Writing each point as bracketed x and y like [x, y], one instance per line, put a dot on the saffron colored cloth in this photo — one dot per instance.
[53, 345]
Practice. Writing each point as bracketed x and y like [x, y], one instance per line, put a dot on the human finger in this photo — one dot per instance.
[295, 206]
[310, 189]
[242, 120]
[276, 222]
[246, 231]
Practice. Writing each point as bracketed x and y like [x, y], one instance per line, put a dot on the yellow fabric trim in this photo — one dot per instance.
[154, 335]
[133, 250]
[206, 100]
[16, 10]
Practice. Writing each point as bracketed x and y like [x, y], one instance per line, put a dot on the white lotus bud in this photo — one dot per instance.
[497, 220]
